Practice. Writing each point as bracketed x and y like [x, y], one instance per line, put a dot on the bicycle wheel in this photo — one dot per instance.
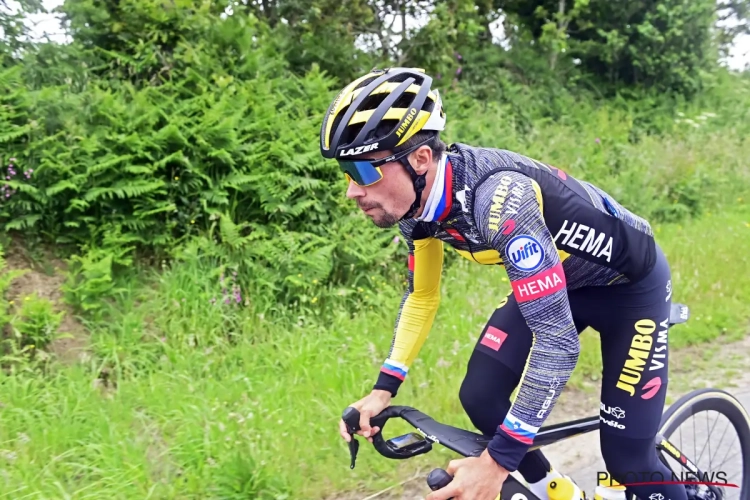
[718, 415]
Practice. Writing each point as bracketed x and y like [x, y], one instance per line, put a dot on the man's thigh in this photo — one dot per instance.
[632, 322]
[496, 366]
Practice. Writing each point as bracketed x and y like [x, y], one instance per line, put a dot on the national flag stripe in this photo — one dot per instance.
[518, 437]
[398, 375]
[396, 369]
[446, 203]
[519, 430]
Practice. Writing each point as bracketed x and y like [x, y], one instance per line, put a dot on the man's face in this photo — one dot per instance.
[386, 201]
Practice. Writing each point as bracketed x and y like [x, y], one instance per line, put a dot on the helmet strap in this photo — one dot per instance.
[419, 183]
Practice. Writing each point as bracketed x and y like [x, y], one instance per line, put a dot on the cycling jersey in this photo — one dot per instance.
[551, 232]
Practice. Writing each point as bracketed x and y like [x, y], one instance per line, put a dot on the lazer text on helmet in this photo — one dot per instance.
[359, 150]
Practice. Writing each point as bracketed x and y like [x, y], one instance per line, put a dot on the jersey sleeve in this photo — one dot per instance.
[418, 307]
[508, 211]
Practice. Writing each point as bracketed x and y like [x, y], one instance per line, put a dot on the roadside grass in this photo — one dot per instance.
[185, 398]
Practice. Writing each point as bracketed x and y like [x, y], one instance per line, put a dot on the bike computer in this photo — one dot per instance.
[407, 442]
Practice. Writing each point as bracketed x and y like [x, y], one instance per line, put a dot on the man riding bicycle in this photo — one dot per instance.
[574, 256]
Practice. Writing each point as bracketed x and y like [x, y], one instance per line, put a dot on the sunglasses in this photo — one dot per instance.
[368, 172]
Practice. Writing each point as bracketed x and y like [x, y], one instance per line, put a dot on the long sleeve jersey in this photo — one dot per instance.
[551, 233]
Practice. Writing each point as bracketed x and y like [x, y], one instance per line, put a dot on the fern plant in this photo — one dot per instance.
[224, 144]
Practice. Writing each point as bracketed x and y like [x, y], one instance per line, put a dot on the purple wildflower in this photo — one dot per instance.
[458, 71]
[226, 301]
[597, 140]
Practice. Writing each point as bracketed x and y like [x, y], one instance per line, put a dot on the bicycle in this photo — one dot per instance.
[471, 444]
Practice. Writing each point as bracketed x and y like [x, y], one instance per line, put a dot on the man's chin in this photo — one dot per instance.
[384, 222]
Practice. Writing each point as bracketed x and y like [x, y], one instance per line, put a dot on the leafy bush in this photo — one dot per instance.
[35, 322]
[226, 147]
[208, 141]
[90, 277]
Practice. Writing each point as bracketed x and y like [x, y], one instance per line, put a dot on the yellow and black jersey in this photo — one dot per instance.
[551, 233]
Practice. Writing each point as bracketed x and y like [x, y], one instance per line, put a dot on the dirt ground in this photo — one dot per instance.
[71, 346]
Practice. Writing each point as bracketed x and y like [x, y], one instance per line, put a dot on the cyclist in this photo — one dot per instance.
[574, 256]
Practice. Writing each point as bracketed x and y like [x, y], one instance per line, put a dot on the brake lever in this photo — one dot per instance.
[353, 449]
[351, 419]
[385, 448]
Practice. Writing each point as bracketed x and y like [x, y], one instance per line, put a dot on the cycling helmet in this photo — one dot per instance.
[398, 98]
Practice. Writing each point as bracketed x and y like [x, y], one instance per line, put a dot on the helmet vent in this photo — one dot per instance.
[372, 102]
[384, 128]
[402, 77]
[404, 101]
[351, 133]
[338, 118]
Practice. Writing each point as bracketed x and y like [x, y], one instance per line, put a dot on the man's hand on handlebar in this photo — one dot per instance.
[474, 478]
[370, 405]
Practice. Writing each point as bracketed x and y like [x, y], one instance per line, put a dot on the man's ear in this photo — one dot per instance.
[421, 159]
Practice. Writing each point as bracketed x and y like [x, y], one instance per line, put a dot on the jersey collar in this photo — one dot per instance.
[440, 201]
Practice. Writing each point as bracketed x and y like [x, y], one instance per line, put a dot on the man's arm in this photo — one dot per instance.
[508, 210]
[418, 308]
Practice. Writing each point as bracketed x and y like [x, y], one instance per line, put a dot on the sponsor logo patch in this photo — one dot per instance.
[651, 388]
[585, 239]
[539, 285]
[616, 411]
[407, 121]
[493, 338]
[611, 423]
[525, 252]
[641, 347]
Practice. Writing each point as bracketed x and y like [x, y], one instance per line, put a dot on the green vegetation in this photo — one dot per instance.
[201, 399]
[162, 178]
[155, 126]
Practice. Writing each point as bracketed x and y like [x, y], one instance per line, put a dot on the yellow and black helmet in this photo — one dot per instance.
[399, 98]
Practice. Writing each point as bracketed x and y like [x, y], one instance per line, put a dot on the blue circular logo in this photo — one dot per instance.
[524, 252]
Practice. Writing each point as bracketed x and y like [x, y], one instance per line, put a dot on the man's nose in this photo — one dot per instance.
[354, 191]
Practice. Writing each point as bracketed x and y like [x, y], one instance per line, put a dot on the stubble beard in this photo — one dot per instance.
[388, 220]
